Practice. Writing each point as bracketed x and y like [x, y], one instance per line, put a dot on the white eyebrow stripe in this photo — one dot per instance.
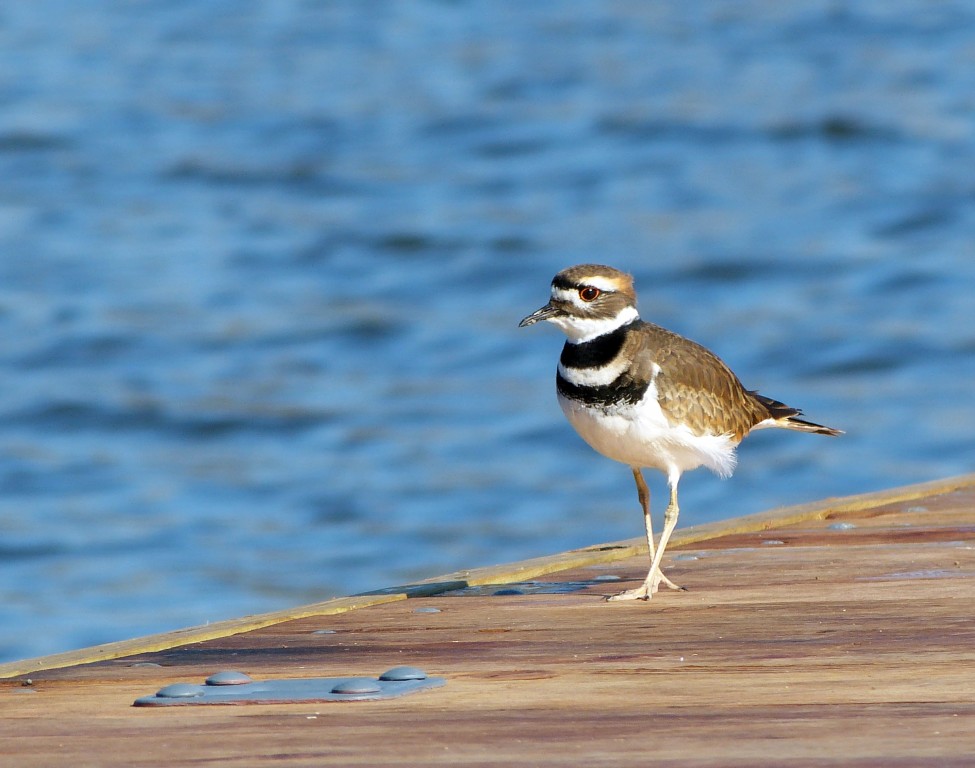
[602, 283]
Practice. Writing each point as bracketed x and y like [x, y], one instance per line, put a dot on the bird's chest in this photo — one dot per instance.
[632, 433]
[640, 435]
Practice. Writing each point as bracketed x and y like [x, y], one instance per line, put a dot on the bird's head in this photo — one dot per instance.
[588, 300]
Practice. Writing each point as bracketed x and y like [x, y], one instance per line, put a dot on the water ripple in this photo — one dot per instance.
[261, 268]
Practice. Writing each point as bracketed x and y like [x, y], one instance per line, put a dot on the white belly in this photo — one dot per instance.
[640, 436]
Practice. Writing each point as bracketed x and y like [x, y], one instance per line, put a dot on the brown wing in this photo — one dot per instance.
[694, 385]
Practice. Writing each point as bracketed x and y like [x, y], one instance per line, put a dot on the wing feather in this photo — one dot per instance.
[694, 386]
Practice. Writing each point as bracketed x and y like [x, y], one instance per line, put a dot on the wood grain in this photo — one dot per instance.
[800, 643]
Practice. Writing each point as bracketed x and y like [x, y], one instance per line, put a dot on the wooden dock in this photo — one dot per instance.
[836, 633]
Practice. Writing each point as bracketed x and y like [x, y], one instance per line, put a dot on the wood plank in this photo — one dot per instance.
[800, 642]
[499, 574]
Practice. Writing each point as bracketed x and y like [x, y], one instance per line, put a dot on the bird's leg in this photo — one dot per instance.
[641, 593]
[670, 522]
[643, 493]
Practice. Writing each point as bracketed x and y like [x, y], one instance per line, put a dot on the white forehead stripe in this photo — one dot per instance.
[563, 294]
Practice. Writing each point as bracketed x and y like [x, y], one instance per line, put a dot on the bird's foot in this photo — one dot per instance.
[647, 589]
[640, 593]
[664, 580]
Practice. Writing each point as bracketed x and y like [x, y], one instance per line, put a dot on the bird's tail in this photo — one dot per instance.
[787, 417]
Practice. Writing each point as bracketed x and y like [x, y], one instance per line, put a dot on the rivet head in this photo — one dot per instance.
[179, 691]
[228, 677]
[357, 685]
[398, 674]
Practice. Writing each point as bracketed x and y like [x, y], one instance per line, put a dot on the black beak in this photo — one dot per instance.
[540, 314]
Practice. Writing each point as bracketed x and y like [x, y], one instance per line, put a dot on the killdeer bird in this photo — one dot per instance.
[647, 397]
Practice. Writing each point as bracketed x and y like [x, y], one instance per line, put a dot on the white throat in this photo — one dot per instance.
[583, 329]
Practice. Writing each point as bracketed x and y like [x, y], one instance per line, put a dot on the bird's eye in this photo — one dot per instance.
[589, 293]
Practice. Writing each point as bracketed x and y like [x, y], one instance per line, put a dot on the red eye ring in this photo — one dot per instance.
[589, 293]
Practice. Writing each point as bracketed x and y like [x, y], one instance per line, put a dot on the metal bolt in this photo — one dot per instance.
[180, 691]
[357, 685]
[228, 677]
[398, 674]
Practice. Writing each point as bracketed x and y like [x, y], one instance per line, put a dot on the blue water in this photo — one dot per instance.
[261, 268]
